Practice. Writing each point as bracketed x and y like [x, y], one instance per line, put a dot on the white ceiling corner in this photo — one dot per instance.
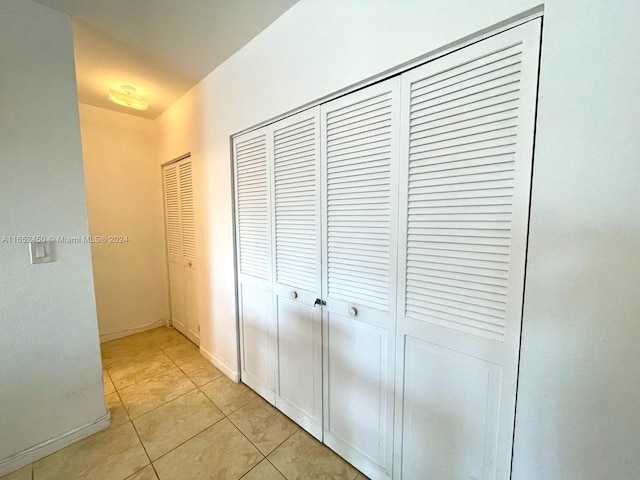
[162, 47]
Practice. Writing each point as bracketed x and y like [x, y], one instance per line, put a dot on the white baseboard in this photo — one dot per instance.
[130, 331]
[224, 368]
[31, 454]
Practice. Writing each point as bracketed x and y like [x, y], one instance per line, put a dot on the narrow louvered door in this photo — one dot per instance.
[181, 246]
[254, 253]
[173, 224]
[359, 174]
[188, 230]
[467, 144]
[296, 267]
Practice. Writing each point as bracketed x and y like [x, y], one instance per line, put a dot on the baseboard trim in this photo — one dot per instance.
[31, 454]
[130, 331]
[223, 367]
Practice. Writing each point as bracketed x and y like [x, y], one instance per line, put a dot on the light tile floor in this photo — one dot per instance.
[174, 416]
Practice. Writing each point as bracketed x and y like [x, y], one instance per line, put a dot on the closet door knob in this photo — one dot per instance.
[294, 294]
[353, 311]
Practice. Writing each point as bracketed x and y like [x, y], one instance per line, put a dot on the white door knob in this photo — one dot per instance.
[294, 294]
[353, 311]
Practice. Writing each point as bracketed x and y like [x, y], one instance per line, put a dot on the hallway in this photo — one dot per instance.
[175, 416]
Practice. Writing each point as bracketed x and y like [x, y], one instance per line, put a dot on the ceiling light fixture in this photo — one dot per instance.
[126, 95]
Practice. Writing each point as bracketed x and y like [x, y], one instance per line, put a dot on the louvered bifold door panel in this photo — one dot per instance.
[253, 252]
[187, 209]
[172, 210]
[252, 206]
[296, 263]
[467, 146]
[359, 172]
[296, 164]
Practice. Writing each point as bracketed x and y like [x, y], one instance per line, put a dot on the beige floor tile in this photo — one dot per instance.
[303, 457]
[360, 476]
[227, 395]
[147, 473]
[125, 350]
[166, 427]
[183, 352]
[133, 347]
[221, 452]
[263, 471]
[200, 371]
[164, 337]
[127, 373]
[108, 384]
[261, 423]
[155, 391]
[23, 473]
[113, 454]
[118, 413]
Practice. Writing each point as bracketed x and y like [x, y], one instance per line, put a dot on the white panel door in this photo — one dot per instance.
[359, 193]
[181, 246]
[296, 268]
[467, 145]
[253, 247]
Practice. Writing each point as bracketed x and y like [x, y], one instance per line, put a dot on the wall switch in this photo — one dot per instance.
[40, 252]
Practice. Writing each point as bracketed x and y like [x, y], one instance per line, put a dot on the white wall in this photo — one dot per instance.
[577, 412]
[124, 198]
[50, 372]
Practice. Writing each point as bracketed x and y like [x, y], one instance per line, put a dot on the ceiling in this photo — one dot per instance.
[162, 47]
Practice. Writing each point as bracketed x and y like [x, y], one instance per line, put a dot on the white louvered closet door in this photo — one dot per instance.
[467, 145]
[187, 208]
[296, 267]
[359, 174]
[181, 246]
[254, 253]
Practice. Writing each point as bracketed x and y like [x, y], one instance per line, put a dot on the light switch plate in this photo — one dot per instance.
[40, 252]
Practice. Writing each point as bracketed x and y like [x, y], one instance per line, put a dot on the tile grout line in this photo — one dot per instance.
[179, 396]
[158, 349]
[251, 443]
[144, 448]
[150, 351]
[272, 464]
[153, 467]
[192, 437]
[117, 391]
[279, 445]
[224, 415]
[251, 469]
[266, 456]
[106, 369]
[189, 439]
[155, 375]
[155, 408]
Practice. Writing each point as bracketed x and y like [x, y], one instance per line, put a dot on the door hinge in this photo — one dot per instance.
[319, 301]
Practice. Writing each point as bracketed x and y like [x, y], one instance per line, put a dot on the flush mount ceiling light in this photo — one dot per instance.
[126, 95]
